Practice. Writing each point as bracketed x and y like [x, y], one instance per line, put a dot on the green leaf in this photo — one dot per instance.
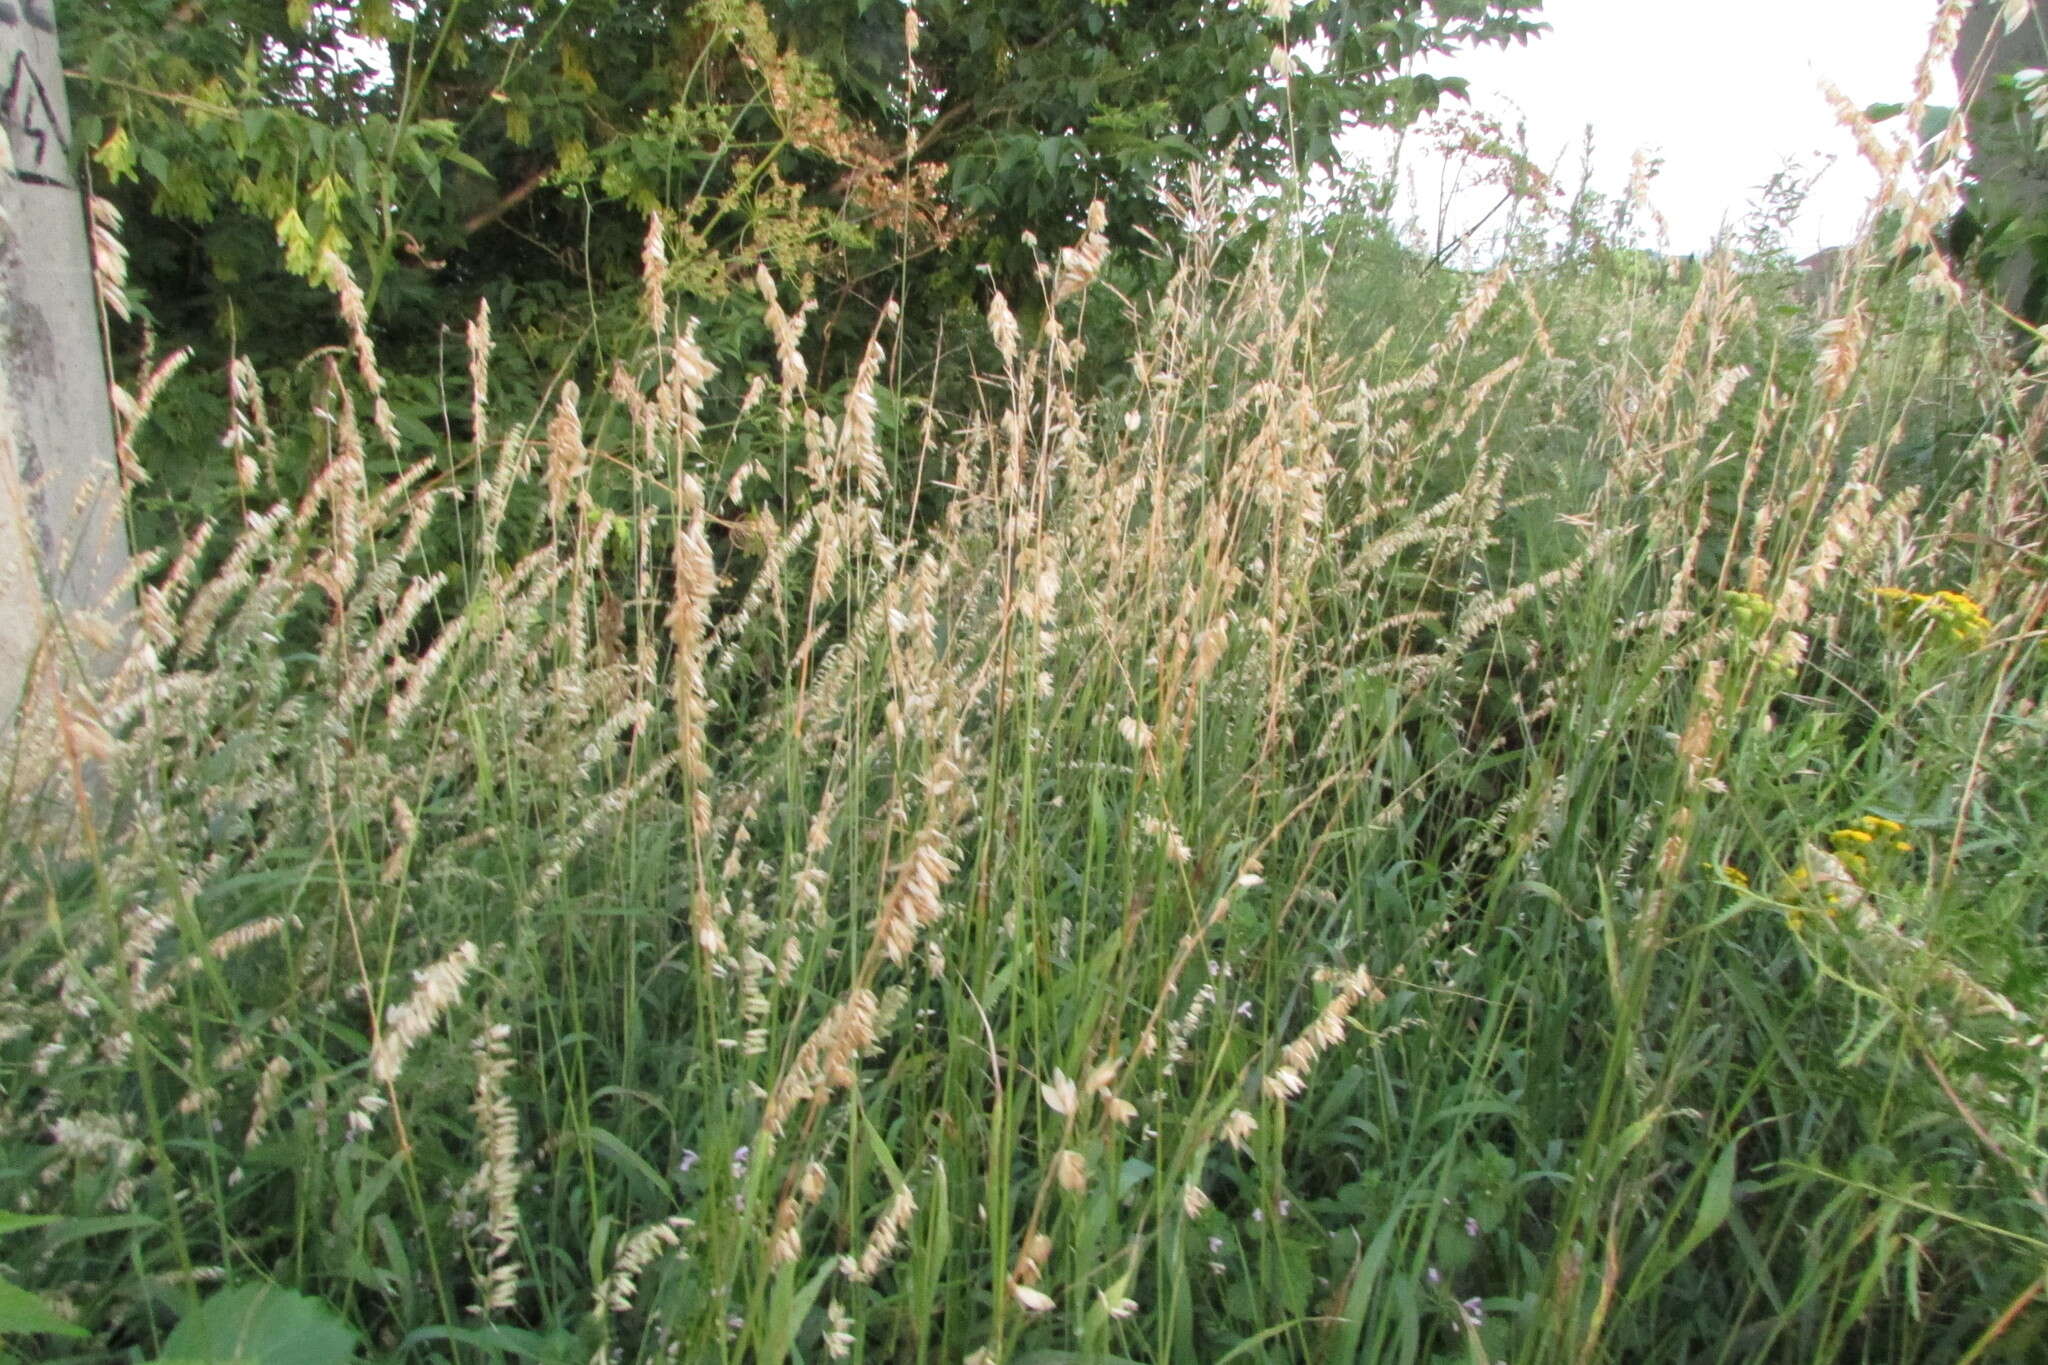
[1715, 1202]
[262, 1325]
[21, 1311]
[78, 1229]
[790, 1310]
[464, 161]
[116, 155]
[503, 1341]
[630, 1162]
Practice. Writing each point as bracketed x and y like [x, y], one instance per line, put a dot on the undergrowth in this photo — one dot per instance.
[1502, 831]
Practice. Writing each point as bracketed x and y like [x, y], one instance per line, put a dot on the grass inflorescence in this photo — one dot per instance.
[1498, 822]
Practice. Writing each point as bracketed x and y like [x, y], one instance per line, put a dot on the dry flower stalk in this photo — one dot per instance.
[437, 988]
[1289, 1080]
[1082, 262]
[638, 1251]
[883, 1238]
[568, 460]
[498, 1175]
[355, 316]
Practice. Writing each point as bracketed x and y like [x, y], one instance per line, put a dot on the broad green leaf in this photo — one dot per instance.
[262, 1325]
[21, 1311]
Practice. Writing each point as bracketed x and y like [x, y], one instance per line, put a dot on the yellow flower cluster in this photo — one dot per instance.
[1953, 618]
[1870, 837]
[1799, 894]
[1862, 854]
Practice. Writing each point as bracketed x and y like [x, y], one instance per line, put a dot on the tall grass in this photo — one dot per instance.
[1507, 832]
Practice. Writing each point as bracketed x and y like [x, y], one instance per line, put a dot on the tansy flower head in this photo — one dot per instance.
[1946, 618]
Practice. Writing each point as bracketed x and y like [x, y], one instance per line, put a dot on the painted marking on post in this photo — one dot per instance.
[42, 154]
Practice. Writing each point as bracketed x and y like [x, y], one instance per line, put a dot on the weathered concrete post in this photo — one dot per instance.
[61, 535]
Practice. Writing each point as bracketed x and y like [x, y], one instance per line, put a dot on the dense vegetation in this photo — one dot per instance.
[454, 149]
[271, 156]
[1411, 817]
[2003, 227]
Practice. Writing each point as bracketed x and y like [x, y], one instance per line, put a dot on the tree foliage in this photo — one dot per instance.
[2002, 229]
[2004, 223]
[513, 148]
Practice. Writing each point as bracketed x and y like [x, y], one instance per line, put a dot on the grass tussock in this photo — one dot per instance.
[1378, 833]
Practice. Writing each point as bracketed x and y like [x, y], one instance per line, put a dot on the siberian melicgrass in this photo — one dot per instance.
[1301, 854]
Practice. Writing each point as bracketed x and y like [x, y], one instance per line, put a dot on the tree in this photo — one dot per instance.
[446, 148]
[2004, 224]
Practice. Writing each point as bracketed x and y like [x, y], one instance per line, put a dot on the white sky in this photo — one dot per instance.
[1725, 91]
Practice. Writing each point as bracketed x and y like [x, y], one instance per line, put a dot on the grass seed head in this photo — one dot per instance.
[437, 989]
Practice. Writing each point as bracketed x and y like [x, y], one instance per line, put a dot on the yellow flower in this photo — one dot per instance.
[1897, 606]
[1964, 619]
[1955, 618]
[1868, 837]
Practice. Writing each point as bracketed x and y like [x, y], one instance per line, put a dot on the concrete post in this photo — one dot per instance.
[62, 542]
